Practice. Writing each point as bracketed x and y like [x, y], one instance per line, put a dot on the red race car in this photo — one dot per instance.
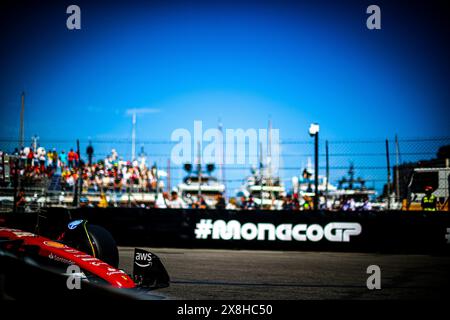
[88, 249]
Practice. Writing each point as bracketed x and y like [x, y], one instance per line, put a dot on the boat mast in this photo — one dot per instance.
[261, 173]
[269, 160]
[199, 170]
[133, 136]
[222, 151]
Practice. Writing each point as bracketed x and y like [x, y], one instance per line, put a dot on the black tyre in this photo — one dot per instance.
[104, 245]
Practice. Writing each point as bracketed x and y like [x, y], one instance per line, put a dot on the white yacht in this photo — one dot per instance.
[264, 189]
[197, 184]
[304, 185]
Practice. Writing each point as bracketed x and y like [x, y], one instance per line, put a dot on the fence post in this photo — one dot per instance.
[76, 195]
[16, 181]
[397, 169]
[21, 128]
[388, 189]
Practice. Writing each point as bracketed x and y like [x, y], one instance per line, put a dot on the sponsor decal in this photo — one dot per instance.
[110, 273]
[72, 225]
[143, 259]
[18, 233]
[233, 230]
[55, 244]
[93, 261]
[51, 256]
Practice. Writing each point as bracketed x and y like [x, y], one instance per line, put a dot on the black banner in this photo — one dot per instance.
[390, 231]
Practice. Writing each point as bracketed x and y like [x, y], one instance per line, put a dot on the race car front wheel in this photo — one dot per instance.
[92, 239]
[103, 244]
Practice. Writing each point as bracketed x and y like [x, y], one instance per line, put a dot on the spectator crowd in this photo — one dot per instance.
[113, 175]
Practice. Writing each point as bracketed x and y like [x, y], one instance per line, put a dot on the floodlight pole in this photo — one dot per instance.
[316, 171]
[314, 132]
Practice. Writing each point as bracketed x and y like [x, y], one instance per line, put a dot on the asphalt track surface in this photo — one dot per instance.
[208, 274]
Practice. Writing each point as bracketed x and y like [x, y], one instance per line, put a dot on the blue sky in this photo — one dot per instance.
[294, 62]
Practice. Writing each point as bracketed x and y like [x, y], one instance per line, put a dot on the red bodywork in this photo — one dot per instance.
[57, 251]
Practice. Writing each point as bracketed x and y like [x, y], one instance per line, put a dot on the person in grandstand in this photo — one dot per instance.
[176, 202]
